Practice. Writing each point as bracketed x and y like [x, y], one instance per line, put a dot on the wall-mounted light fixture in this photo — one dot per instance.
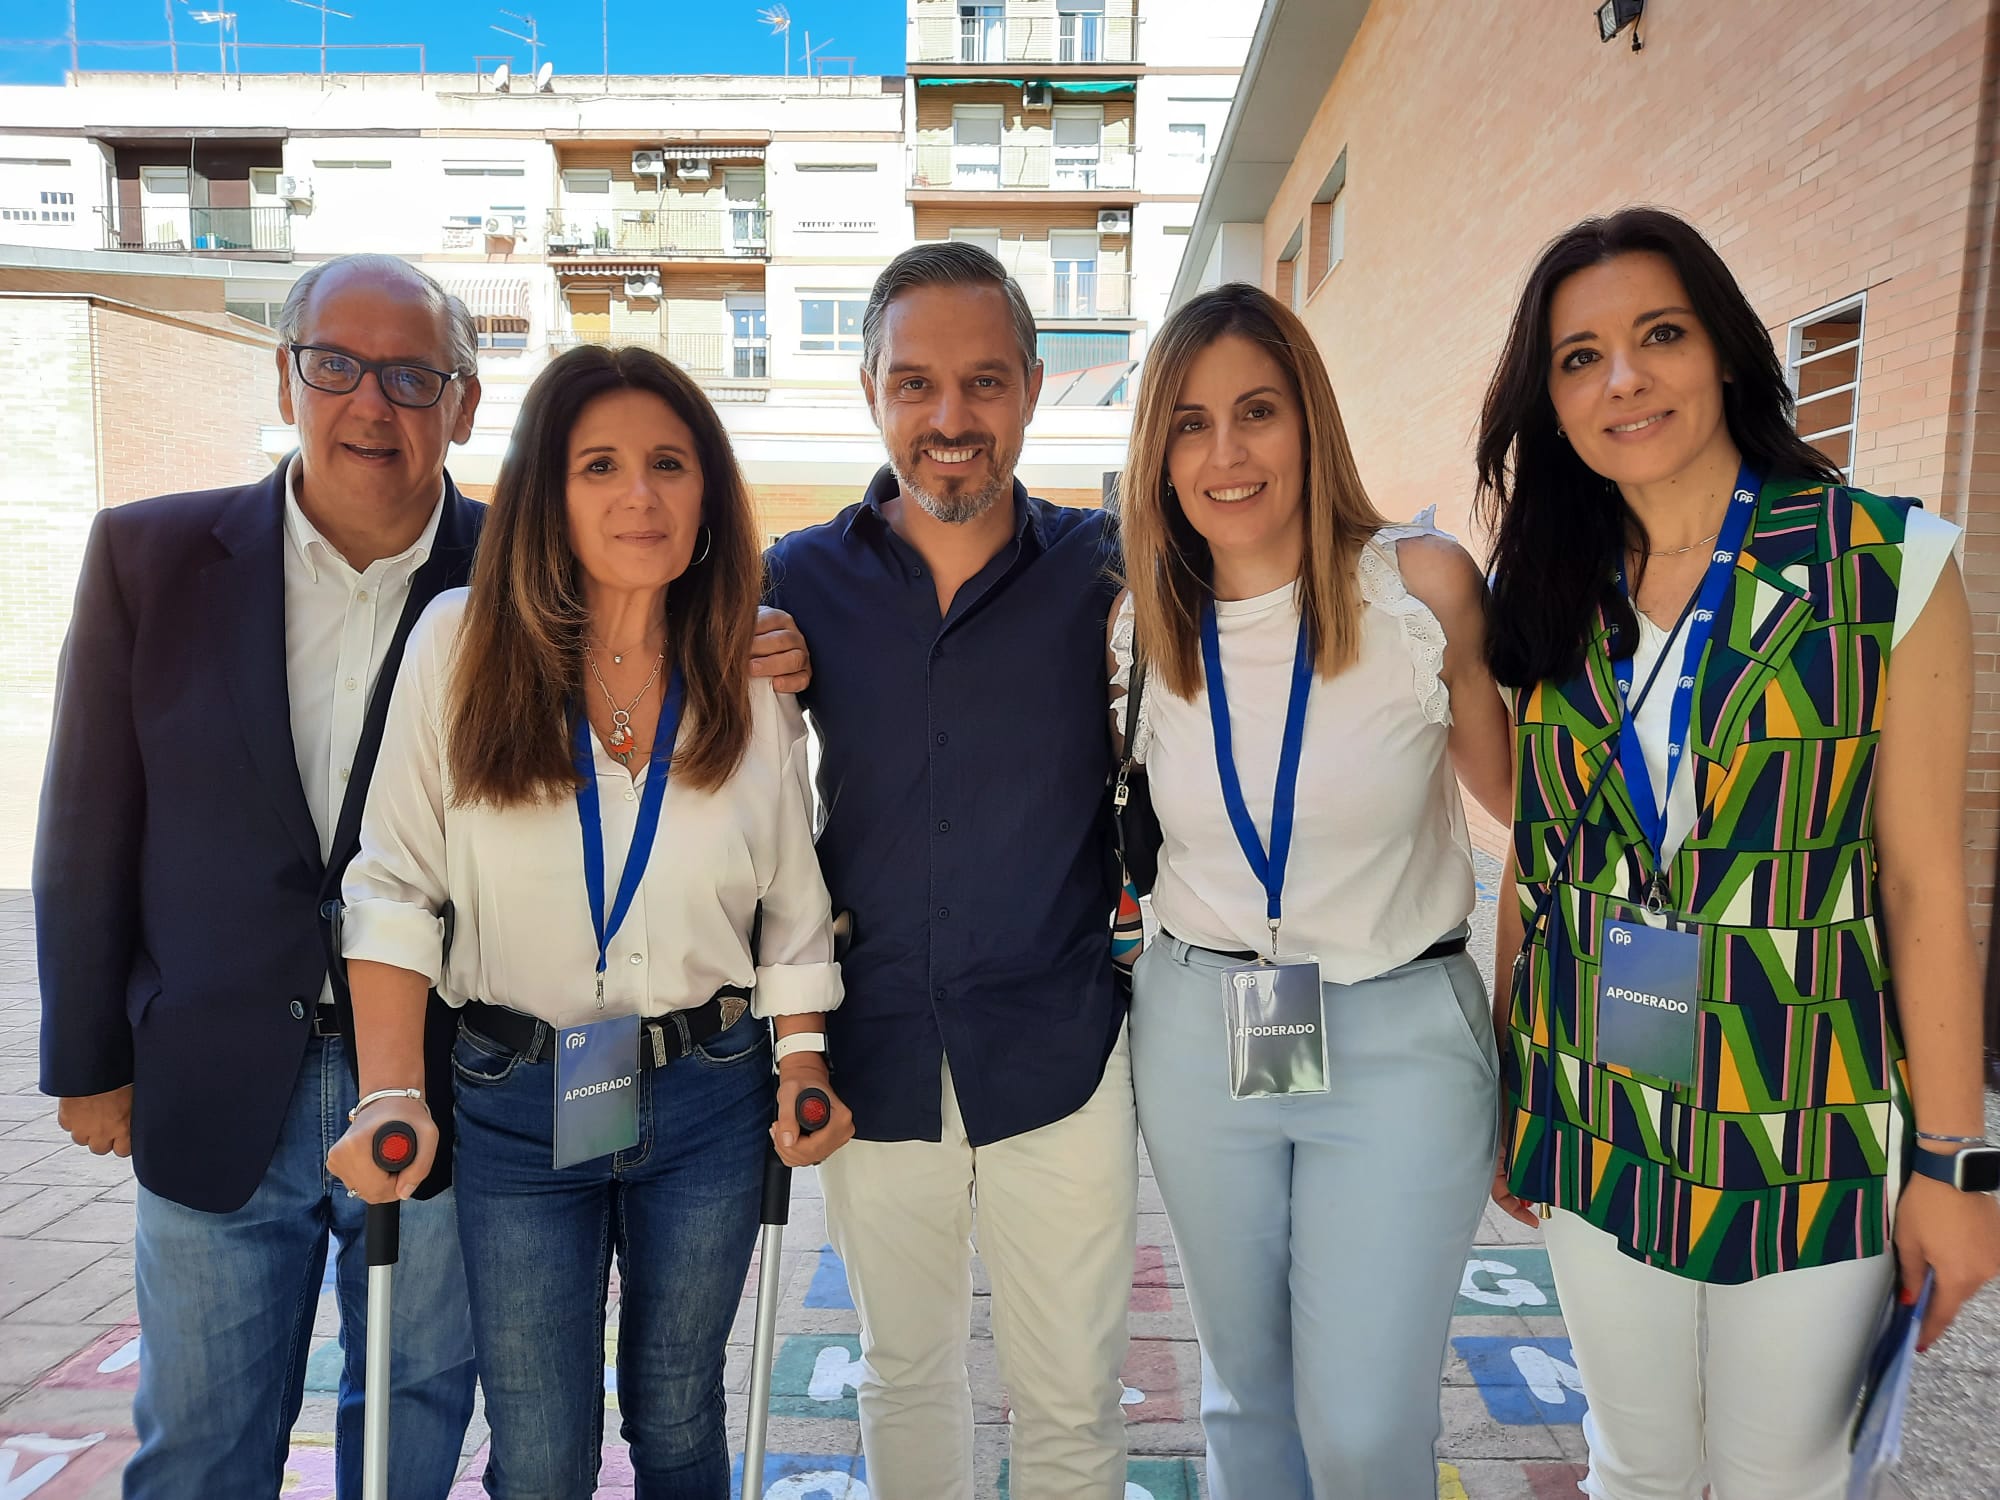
[1613, 16]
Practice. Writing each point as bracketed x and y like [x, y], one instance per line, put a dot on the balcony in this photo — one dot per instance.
[184, 231]
[991, 35]
[666, 233]
[1077, 291]
[1004, 168]
[711, 358]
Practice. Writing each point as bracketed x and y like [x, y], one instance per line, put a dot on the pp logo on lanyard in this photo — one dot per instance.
[597, 1065]
[1275, 1009]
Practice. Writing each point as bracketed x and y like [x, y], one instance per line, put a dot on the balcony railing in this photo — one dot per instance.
[992, 34]
[1074, 291]
[705, 356]
[698, 232]
[185, 230]
[1005, 168]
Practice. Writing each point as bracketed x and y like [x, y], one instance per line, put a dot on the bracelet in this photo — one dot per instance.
[368, 1099]
[798, 1041]
[1952, 1140]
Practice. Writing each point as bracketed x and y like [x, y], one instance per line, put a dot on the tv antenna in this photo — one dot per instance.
[224, 22]
[324, 10]
[533, 37]
[780, 21]
[810, 48]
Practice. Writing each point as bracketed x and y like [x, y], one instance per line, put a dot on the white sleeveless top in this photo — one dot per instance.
[1380, 866]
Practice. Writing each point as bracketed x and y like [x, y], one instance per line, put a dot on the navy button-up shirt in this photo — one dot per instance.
[963, 770]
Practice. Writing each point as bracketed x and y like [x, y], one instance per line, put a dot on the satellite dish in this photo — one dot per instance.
[543, 75]
[500, 76]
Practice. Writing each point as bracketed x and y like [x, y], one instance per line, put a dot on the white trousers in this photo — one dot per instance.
[1057, 1220]
[1745, 1388]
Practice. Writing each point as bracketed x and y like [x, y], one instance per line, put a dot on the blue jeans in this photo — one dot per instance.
[680, 1212]
[1322, 1237]
[226, 1305]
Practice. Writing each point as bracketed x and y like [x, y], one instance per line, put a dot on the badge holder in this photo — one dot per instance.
[1648, 990]
[1277, 1028]
[597, 1089]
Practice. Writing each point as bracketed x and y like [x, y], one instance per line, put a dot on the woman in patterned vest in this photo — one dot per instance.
[1714, 1087]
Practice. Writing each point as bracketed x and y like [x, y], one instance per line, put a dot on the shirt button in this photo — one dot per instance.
[351, 684]
[940, 994]
[637, 959]
[298, 1010]
[343, 773]
[631, 796]
[944, 739]
[944, 913]
[944, 825]
[916, 572]
[361, 596]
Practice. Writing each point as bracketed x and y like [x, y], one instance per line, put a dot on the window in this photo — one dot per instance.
[986, 239]
[1073, 257]
[981, 33]
[749, 342]
[1186, 142]
[1823, 364]
[1080, 31]
[835, 166]
[1079, 145]
[495, 338]
[257, 312]
[1292, 270]
[484, 169]
[38, 216]
[831, 324]
[58, 197]
[586, 180]
[351, 166]
[975, 145]
[1063, 351]
[1326, 224]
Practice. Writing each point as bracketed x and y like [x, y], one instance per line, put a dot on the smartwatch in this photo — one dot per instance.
[1971, 1169]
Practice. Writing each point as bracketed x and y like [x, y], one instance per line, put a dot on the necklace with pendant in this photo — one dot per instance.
[621, 741]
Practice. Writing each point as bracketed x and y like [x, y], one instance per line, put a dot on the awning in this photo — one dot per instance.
[496, 305]
[611, 269]
[714, 153]
[1060, 85]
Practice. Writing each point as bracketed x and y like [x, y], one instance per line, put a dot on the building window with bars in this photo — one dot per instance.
[1823, 364]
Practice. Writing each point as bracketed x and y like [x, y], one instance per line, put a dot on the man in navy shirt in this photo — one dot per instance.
[958, 630]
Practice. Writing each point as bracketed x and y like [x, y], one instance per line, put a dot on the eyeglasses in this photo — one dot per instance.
[337, 373]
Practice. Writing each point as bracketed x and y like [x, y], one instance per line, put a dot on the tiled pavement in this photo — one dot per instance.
[69, 1351]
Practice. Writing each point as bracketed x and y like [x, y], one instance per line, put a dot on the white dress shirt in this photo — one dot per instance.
[523, 935]
[338, 625]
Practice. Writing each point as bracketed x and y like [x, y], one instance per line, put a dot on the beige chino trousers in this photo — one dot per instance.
[1056, 1214]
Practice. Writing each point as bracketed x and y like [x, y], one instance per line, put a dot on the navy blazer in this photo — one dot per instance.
[178, 880]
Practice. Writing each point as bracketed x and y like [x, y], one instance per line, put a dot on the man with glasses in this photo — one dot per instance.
[220, 700]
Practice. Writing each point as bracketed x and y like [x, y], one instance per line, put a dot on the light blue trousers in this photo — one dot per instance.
[1322, 1237]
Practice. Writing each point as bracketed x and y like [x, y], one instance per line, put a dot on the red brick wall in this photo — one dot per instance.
[1826, 146]
[178, 407]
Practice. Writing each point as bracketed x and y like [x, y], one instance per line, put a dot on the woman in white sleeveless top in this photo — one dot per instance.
[1322, 1235]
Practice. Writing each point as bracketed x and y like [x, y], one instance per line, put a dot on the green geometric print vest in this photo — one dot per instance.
[1777, 1155]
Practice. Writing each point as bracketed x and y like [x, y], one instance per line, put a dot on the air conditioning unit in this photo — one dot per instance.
[1038, 96]
[641, 286]
[1114, 221]
[694, 168]
[649, 163]
[502, 225]
[295, 189]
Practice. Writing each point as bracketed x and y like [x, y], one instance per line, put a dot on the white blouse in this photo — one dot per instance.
[523, 933]
[1380, 866]
[1927, 545]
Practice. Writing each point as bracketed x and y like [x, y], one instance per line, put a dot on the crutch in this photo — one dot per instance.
[814, 1111]
[395, 1148]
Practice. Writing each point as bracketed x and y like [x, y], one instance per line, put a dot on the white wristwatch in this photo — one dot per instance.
[798, 1041]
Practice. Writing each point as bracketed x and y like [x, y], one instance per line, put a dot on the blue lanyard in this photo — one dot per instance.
[1700, 621]
[1268, 868]
[591, 820]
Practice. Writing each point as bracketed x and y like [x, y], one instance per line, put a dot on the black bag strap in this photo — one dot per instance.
[1135, 691]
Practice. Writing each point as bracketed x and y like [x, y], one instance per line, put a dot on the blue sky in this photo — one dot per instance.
[647, 36]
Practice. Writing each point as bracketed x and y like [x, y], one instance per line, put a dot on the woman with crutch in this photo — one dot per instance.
[591, 830]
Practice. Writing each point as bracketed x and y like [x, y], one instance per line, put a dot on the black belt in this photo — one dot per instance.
[326, 1021]
[1443, 948]
[662, 1039]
